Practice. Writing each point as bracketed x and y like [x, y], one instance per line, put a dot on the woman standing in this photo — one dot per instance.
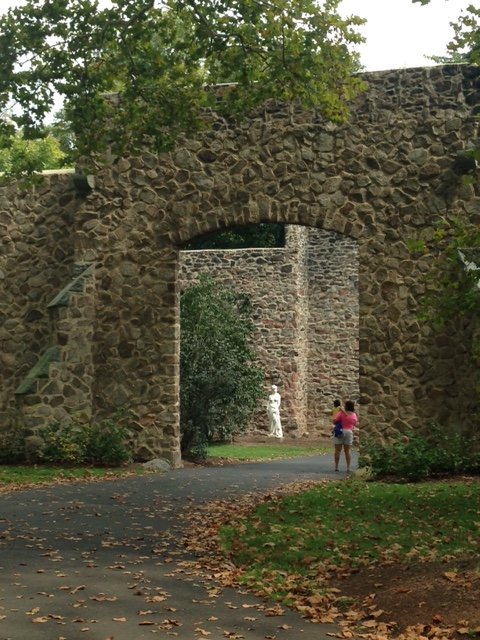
[349, 421]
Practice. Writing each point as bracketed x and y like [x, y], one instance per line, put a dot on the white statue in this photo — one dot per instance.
[273, 412]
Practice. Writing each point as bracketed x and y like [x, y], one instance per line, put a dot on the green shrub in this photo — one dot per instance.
[220, 385]
[106, 442]
[101, 443]
[12, 445]
[63, 443]
[415, 456]
[198, 444]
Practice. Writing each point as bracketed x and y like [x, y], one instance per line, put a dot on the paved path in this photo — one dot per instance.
[98, 561]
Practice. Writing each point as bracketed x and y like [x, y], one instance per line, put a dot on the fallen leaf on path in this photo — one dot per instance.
[33, 611]
[101, 597]
[451, 575]
[80, 587]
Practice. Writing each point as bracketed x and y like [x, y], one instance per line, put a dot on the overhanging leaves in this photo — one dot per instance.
[134, 73]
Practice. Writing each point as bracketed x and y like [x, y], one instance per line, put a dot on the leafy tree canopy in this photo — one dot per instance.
[251, 236]
[19, 155]
[138, 68]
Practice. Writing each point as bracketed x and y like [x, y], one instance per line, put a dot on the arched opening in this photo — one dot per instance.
[306, 315]
[379, 180]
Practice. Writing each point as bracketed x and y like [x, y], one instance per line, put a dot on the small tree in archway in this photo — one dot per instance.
[219, 382]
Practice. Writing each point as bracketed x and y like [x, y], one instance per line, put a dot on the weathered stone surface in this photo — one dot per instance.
[376, 182]
[157, 464]
[299, 294]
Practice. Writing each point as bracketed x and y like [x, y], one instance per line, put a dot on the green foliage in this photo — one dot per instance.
[141, 68]
[250, 236]
[20, 475]
[21, 156]
[219, 384]
[453, 291]
[416, 456]
[296, 542]
[12, 445]
[61, 130]
[466, 40]
[103, 442]
[415, 245]
[106, 442]
[465, 46]
[63, 443]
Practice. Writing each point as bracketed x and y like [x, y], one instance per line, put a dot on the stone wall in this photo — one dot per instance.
[333, 324]
[305, 298]
[61, 382]
[380, 180]
[36, 261]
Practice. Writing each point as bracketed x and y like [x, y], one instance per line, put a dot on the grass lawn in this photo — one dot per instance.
[354, 524]
[385, 560]
[257, 452]
[22, 475]
[294, 546]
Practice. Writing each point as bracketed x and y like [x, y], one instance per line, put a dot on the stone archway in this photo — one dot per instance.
[305, 315]
[381, 179]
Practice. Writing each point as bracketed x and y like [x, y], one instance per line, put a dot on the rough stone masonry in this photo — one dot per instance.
[89, 307]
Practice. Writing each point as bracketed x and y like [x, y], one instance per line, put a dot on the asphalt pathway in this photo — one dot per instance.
[104, 561]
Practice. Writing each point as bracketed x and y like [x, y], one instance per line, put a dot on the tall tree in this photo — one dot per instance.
[138, 68]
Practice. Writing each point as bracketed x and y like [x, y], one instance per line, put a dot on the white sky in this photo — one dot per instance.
[399, 33]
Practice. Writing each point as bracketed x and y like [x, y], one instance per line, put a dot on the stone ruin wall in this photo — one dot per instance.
[36, 261]
[333, 324]
[305, 299]
[381, 179]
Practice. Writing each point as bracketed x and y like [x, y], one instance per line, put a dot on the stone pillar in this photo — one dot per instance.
[296, 366]
[137, 349]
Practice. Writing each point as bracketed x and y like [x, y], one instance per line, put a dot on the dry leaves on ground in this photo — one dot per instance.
[422, 601]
